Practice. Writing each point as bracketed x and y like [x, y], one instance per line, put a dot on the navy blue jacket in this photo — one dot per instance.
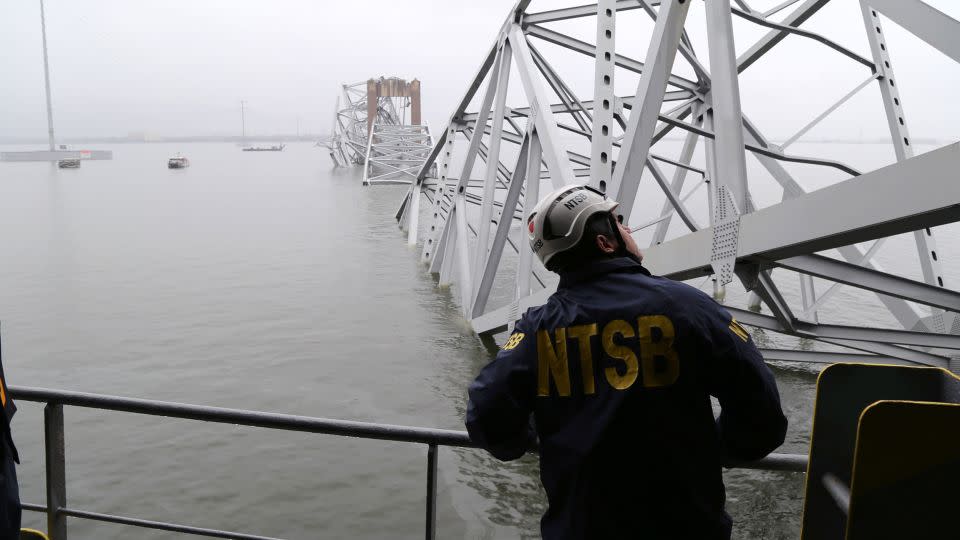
[617, 369]
[10, 511]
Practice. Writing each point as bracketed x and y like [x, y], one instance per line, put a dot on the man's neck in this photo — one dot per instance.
[593, 269]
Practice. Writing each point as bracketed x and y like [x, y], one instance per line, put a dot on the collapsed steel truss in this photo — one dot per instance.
[349, 136]
[471, 225]
[372, 130]
[395, 153]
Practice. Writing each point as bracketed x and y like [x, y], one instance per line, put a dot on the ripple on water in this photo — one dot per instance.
[274, 282]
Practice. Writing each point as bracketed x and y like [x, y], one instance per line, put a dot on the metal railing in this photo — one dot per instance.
[57, 510]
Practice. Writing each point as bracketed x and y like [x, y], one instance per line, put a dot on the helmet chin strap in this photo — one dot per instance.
[621, 250]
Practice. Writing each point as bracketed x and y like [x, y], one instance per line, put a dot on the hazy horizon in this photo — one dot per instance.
[180, 69]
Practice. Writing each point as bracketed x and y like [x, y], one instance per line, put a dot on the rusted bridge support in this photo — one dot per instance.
[392, 87]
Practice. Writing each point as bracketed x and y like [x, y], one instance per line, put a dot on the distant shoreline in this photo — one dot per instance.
[323, 137]
[173, 139]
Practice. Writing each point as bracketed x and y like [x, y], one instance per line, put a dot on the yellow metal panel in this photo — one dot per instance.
[906, 471]
[844, 391]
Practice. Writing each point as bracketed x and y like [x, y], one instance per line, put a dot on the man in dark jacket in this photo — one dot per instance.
[9, 489]
[617, 369]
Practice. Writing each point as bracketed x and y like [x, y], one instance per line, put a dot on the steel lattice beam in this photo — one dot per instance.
[772, 233]
[472, 231]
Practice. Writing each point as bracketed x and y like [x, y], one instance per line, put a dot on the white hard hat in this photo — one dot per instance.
[556, 224]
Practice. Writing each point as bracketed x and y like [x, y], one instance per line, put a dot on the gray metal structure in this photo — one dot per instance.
[492, 158]
[370, 128]
[395, 153]
[349, 136]
[46, 79]
[58, 511]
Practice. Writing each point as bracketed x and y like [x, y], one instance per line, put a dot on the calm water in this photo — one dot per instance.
[266, 281]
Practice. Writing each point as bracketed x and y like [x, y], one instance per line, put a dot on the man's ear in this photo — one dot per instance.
[606, 245]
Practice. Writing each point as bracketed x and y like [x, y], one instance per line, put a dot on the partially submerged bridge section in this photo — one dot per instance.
[494, 159]
[351, 125]
[395, 153]
[377, 124]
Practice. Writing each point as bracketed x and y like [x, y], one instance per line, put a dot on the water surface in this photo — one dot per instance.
[266, 281]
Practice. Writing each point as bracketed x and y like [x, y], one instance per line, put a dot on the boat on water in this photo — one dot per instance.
[243, 136]
[69, 163]
[178, 162]
[275, 148]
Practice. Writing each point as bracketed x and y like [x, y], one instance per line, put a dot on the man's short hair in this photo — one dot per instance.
[586, 250]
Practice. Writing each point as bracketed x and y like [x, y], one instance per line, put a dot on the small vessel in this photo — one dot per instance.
[275, 148]
[243, 135]
[178, 162]
[69, 163]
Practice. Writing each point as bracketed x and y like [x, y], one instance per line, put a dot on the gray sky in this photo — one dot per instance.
[180, 67]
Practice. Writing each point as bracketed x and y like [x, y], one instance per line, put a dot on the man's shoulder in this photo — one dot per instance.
[552, 313]
[676, 298]
[670, 290]
[683, 290]
[688, 298]
[531, 319]
[560, 308]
